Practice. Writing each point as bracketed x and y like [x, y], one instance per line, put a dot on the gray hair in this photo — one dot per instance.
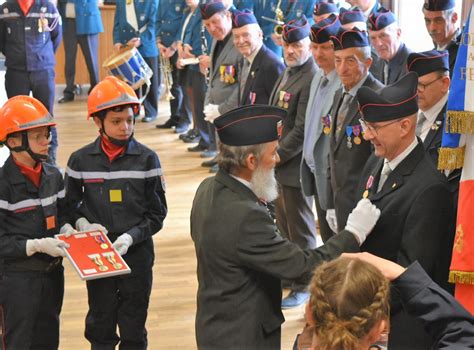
[365, 52]
[231, 158]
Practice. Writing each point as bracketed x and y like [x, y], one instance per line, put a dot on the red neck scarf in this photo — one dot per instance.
[25, 5]
[111, 150]
[32, 174]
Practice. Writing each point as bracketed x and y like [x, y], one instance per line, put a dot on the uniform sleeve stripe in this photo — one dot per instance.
[27, 203]
[43, 15]
[113, 175]
[9, 15]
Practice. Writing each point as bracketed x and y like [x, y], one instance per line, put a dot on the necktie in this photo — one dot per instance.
[243, 76]
[386, 72]
[384, 175]
[419, 123]
[342, 111]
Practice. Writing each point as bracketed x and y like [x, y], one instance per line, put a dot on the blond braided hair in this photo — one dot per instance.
[348, 297]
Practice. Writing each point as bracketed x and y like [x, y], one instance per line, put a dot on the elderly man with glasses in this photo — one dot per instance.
[401, 180]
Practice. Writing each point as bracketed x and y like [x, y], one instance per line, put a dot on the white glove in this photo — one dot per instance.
[122, 243]
[331, 219]
[362, 219]
[212, 112]
[82, 224]
[51, 246]
[67, 230]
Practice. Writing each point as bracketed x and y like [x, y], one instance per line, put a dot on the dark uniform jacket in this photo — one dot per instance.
[444, 318]
[291, 142]
[397, 66]
[26, 46]
[125, 196]
[265, 70]
[415, 205]
[452, 48]
[346, 164]
[28, 212]
[241, 258]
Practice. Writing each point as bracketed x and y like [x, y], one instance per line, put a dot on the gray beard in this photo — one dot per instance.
[264, 185]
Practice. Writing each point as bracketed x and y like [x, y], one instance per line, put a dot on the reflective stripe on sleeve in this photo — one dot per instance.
[113, 175]
[28, 203]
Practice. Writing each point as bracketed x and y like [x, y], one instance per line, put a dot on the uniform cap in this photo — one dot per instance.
[380, 19]
[350, 38]
[243, 18]
[296, 30]
[249, 125]
[394, 101]
[428, 61]
[322, 31]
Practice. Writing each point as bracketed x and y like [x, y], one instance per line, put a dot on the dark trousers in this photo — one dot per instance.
[324, 229]
[31, 303]
[180, 106]
[150, 103]
[118, 301]
[198, 87]
[41, 85]
[89, 44]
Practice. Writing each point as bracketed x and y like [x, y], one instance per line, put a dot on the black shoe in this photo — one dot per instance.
[168, 124]
[66, 99]
[209, 163]
[148, 118]
[191, 139]
[197, 148]
[190, 134]
[208, 154]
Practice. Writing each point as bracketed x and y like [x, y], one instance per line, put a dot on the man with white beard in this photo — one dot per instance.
[240, 253]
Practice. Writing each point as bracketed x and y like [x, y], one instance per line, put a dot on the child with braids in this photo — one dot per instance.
[349, 305]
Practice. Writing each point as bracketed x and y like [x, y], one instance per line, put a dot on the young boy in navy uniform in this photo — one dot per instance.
[31, 199]
[115, 184]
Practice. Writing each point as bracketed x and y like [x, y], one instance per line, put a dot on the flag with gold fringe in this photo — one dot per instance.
[457, 151]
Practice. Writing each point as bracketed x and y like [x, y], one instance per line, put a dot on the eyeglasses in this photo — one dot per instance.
[422, 87]
[374, 128]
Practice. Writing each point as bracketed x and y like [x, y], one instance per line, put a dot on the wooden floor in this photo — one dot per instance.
[171, 314]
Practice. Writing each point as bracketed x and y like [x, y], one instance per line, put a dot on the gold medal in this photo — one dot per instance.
[103, 268]
[285, 105]
[280, 104]
[104, 246]
[117, 266]
[40, 25]
[365, 195]
[327, 130]
[357, 140]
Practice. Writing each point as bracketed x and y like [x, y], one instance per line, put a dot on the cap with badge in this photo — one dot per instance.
[322, 31]
[350, 16]
[250, 125]
[395, 101]
[428, 61]
[242, 18]
[350, 38]
[439, 5]
[323, 8]
[380, 19]
[210, 8]
[296, 30]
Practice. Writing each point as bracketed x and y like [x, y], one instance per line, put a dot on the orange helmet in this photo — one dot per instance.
[22, 113]
[109, 93]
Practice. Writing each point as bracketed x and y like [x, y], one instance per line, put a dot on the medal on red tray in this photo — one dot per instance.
[98, 261]
[101, 241]
[349, 138]
[111, 258]
[357, 129]
[368, 186]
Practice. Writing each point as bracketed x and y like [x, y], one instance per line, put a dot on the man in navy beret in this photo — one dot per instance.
[385, 38]
[325, 83]
[352, 18]
[223, 90]
[413, 196]
[260, 67]
[440, 20]
[241, 256]
[294, 213]
[348, 150]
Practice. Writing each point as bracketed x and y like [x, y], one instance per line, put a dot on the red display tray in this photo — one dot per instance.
[92, 255]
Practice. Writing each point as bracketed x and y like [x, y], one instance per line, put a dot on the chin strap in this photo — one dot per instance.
[115, 141]
[25, 146]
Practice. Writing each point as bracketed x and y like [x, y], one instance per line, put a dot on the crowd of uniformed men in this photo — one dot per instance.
[357, 122]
